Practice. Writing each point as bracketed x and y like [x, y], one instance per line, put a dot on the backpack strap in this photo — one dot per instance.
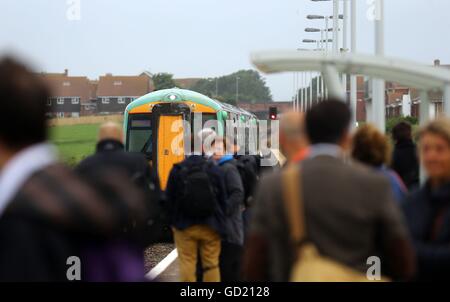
[293, 202]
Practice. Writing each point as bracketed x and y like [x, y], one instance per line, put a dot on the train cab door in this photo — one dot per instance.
[170, 140]
[170, 146]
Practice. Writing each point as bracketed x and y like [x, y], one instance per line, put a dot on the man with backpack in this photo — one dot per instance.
[196, 202]
[232, 245]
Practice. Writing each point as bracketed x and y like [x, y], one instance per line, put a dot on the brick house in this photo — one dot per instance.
[68, 93]
[114, 93]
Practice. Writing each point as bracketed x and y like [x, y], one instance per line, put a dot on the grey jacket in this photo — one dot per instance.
[235, 202]
[350, 215]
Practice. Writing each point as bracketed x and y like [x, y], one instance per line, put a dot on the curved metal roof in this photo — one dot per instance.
[177, 94]
[174, 94]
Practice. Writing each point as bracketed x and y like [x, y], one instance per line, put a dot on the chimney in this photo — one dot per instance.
[437, 62]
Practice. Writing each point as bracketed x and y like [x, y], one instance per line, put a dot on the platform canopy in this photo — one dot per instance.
[422, 77]
[390, 69]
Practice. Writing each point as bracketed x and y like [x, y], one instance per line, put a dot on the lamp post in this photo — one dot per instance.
[237, 89]
[217, 87]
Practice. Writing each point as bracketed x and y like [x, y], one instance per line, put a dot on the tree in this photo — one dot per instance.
[249, 84]
[163, 80]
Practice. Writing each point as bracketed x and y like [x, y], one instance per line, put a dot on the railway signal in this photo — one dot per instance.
[273, 112]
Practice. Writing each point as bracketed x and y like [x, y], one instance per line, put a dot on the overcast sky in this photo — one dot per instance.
[200, 38]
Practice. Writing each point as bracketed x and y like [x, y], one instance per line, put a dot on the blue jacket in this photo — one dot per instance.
[177, 218]
[398, 187]
[422, 209]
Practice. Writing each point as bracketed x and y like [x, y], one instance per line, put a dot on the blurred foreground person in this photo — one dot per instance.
[404, 158]
[110, 156]
[293, 142]
[428, 209]
[232, 244]
[322, 219]
[372, 148]
[196, 202]
[49, 218]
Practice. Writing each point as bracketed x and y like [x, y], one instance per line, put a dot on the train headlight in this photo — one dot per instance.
[172, 97]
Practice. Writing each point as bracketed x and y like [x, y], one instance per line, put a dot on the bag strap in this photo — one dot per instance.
[293, 202]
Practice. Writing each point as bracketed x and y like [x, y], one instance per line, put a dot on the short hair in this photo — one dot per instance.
[223, 140]
[371, 147]
[440, 126]
[327, 122]
[402, 131]
[23, 99]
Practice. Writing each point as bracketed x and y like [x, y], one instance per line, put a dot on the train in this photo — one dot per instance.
[153, 122]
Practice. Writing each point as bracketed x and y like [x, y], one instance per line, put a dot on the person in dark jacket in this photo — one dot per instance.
[248, 162]
[110, 155]
[232, 245]
[404, 158]
[427, 210]
[196, 235]
[49, 217]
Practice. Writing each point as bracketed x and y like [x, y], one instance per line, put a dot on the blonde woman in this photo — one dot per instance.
[427, 210]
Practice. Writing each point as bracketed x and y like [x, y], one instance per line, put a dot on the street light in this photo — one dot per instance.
[217, 86]
[316, 30]
[237, 89]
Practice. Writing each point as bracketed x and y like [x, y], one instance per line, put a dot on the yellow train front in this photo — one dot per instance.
[156, 125]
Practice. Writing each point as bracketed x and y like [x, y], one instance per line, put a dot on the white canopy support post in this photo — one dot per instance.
[300, 96]
[424, 117]
[322, 87]
[446, 100]
[311, 89]
[424, 108]
[305, 97]
[317, 88]
[293, 89]
[379, 105]
[353, 79]
[335, 26]
[335, 89]
[379, 85]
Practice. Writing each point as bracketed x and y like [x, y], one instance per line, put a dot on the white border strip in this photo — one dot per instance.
[162, 266]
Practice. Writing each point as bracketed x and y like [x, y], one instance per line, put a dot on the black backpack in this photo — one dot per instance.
[198, 194]
[248, 171]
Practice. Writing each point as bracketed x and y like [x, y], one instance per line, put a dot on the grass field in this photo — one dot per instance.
[74, 142]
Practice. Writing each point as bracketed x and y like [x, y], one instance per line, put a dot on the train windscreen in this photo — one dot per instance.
[140, 134]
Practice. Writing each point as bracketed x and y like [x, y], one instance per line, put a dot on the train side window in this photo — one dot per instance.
[206, 117]
[140, 134]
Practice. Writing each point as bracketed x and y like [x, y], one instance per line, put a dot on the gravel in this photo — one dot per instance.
[155, 253]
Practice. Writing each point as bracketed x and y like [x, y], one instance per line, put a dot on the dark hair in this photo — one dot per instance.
[327, 122]
[402, 131]
[23, 99]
